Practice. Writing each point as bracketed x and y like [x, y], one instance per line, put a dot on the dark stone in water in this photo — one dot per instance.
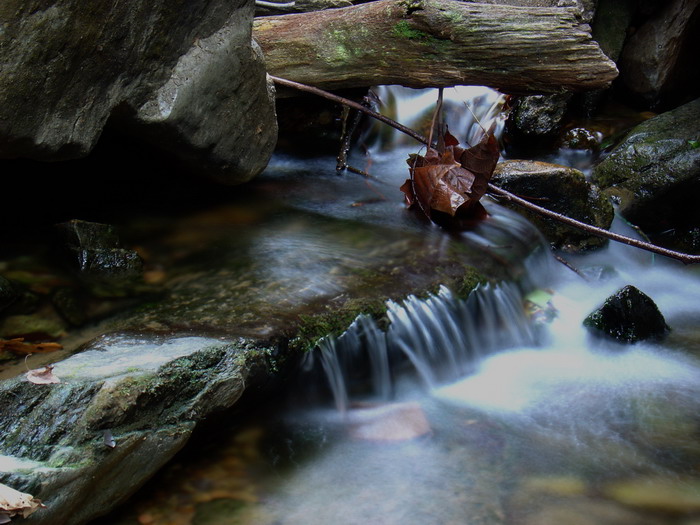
[628, 316]
[536, 121]
[95, 254]
[8, 293]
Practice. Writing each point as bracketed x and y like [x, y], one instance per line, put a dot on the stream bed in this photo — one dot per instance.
[547, 426]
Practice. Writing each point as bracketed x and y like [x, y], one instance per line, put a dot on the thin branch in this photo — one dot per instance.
[685, 258]
[594, 230]
[350, 103]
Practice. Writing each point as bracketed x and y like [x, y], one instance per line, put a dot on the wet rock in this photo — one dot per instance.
[148, 394]
[610, 24]
[560, 189]
[69, 306]
[655, 175]
[582, 138]
[94, 253]
[535, 121]
[31, 327]
[68, 69]
[584, 511]
[609, 28]
[675, 496]
[8, 293]
[658, 65]
[628, 316]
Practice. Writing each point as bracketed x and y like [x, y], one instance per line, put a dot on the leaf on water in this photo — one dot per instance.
[17, 346]
[447, 183]
[42, 376]
[16, 503]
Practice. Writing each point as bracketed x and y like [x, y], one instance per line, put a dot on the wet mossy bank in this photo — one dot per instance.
[246, 288]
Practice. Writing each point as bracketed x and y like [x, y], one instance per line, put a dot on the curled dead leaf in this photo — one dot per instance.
[447, 183]
[16, 503]
[42, 376]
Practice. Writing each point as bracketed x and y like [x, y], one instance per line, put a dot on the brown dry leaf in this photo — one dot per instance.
[447, 183]
[17, 346]
[393, 422]
[42, 376]
[16, 503]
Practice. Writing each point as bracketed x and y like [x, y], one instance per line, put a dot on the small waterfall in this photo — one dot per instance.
[466, 109]
[436, 340]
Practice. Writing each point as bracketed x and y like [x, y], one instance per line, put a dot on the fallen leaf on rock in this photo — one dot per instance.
[42, 376]
[19, 347]
[393, 422]
[16, 503]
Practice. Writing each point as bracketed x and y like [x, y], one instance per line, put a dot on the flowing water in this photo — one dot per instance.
[471, 411]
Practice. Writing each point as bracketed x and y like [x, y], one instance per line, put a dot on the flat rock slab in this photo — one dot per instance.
[123, 408]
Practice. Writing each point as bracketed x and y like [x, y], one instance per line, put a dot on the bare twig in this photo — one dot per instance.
[594, 230]
[350, 103]
[685, 258]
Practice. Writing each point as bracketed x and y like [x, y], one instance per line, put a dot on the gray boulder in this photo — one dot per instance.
[187, 68]
[560, 189]
[628, 316]
[658, 64]
[654, 174]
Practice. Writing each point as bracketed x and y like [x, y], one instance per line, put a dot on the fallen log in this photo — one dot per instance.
[436, 43]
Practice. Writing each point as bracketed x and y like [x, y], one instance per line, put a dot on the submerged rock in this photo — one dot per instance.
[655, 175]
[628, 316]
[670, 495]
[559, 189]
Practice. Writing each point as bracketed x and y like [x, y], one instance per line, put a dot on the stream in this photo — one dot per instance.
[460, 411]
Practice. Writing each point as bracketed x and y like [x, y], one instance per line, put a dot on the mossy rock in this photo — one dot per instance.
[560, 189]
[628, 316]
[654, 174]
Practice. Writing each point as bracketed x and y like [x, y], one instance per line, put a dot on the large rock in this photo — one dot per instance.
[628, 316]
[560, 189]
[659, 61]
[123, 408]
[187, 67]
[655, 175]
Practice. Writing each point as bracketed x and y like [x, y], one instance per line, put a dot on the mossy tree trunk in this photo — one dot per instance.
[433, 43]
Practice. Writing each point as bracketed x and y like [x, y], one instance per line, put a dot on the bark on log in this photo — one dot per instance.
[436, 43]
